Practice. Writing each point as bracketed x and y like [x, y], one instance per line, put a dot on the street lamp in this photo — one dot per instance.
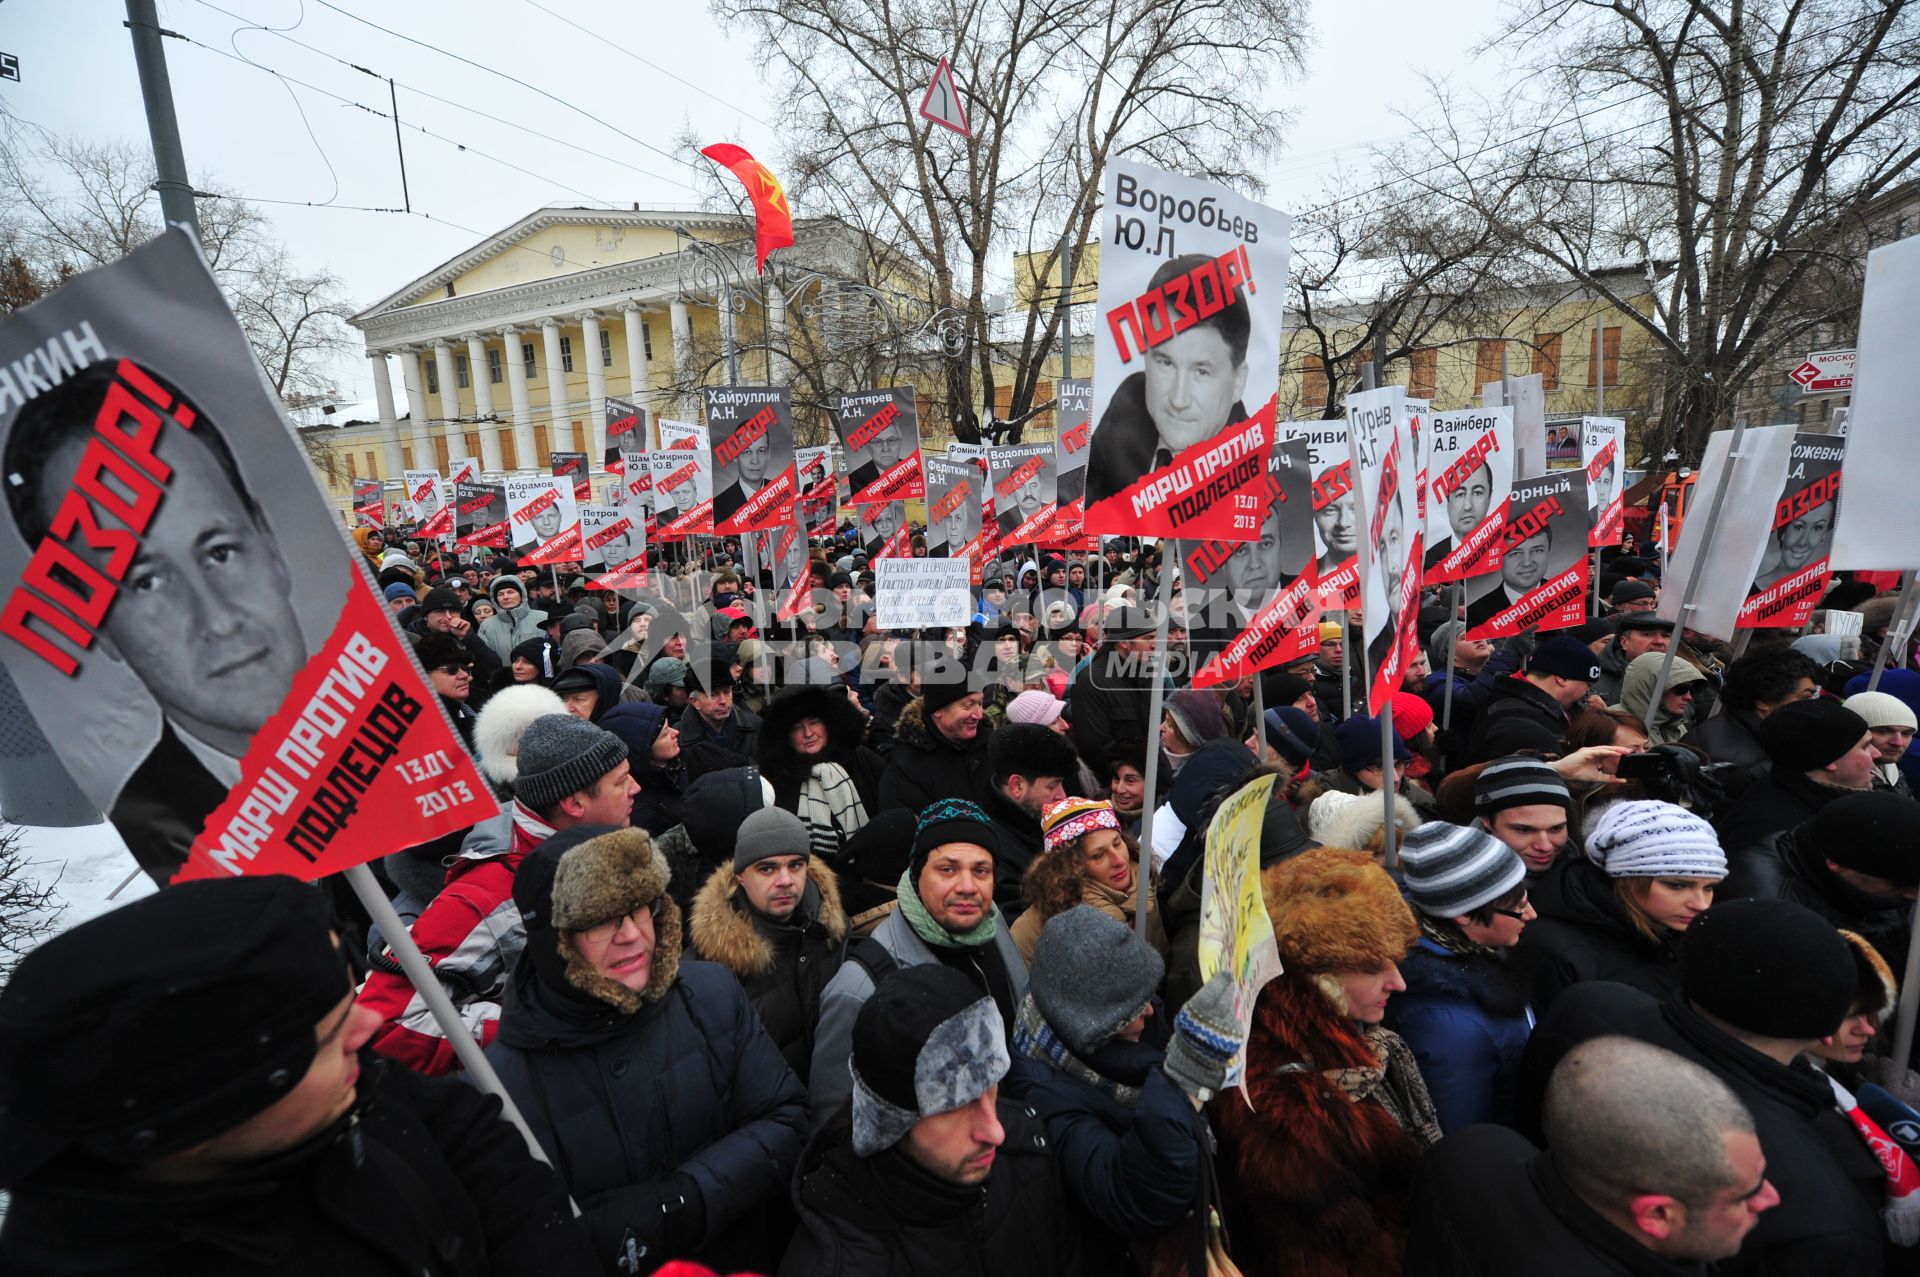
[718, 270]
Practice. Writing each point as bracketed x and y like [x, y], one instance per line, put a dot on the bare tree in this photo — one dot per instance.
[1721, 152]
[68, 206]
[29, 908]
[1052, 90]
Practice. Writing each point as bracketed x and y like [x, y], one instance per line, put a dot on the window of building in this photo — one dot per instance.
[526, 357]
[493, 366]
[1546, 359]
[440, 451]
[1313, 383]
[462, 375]
[1609, 365]
[543, 441]
[473, 443]
[508, 461]
[606, 348]
[1425, 370]
[1486, 361]
[373, 469]
[433, 375]
[646, 340]
[355, 474]
[566, 354]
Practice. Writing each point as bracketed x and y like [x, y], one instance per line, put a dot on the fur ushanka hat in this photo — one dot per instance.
[592, 874]
[1335, 910]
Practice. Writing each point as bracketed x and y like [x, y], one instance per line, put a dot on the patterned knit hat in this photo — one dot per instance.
[1070, 818]
[1453, 869]
[1517, 781]
[951, 820]
[1641, 838]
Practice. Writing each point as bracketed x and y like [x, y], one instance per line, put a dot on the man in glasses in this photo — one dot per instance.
[1464, 1011]
[570, 773]
[450, 669]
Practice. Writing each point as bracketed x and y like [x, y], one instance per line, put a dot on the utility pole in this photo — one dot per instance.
[156, 90]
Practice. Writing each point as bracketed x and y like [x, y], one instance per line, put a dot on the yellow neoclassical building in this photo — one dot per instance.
[508, 352]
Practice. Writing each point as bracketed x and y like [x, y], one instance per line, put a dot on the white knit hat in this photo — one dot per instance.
[1881, 710]
[1640, 838]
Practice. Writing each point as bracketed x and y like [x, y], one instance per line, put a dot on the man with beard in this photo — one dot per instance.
[203, 616]
[750, 475]
[1188, 392]
[1467, 507]
[1522, 567]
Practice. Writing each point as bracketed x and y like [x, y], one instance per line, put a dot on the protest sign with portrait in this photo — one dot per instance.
[1186, 364]
[1469, 475]
[883, 530]
[1794, 567]
[1543, 574]
[614, 545]
[1073, 433]
[369, 503]
[1336, 527]
[463, 470]
[682, 481]
[751, 428]
[1380, 440]
[1602, 441]
[636, 484]
[480, 516]
[1023, 491]
[626, 431]
[184, 616]
[1275, 596]
[819, 490]
[880, 433]
[426, 503]
[572, 466]
[543, 519]
[953, 510]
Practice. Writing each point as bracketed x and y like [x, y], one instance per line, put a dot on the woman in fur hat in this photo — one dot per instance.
[1318, 1170]
[1088, 859]
[648, 1080]
[810, 747]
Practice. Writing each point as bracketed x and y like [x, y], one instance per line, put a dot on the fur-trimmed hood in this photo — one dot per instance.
[915, 731]
[846, 728]
[724, 930]
[1871, 956]
[496, 732]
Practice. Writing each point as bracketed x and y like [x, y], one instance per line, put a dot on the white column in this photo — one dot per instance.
[389, 419]
[683, 352]
[560, 429]
[449, 401]
[525, 453]
[776, 315]
[483, 404]
[423, 454]
[596, 391]
[639, 385]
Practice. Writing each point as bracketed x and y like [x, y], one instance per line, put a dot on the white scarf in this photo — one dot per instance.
[830, 808]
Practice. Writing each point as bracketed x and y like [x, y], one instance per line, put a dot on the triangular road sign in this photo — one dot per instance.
[942, 102]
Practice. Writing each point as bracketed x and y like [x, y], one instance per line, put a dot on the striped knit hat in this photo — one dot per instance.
[1641, 838]
[1454, 869]
[1517, 781]
[1070, 818]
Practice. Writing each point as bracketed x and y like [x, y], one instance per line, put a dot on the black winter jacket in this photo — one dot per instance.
[1021, 843]
[1108, 702]
[1486, 1203]
[925, 767]
[1777, 868]
[1831, 1184]
[1517, 716]
[423, 1177]
[1729, 738]
[703, 752]
[885, 1216]
[690, 1085]
[846, 732]
[1775, 803]
[783, 966]
[1135, 1170]
[1583, 933]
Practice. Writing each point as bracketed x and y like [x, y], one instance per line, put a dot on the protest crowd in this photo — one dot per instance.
[1233, 896]
[811, 948]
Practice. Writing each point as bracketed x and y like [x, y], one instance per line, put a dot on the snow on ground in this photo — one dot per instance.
[82, 865]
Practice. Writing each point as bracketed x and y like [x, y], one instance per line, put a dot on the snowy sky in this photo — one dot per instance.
[637, 72]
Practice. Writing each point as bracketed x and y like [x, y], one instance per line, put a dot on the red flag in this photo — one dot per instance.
[773, 218]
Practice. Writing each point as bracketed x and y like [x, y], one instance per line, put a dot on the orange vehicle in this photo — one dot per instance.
[1672, 490]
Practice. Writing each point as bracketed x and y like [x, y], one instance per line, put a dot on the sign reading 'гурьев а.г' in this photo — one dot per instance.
[226, 684]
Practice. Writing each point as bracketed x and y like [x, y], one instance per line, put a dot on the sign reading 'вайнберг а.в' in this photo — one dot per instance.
[1186, 357]
[211, 663]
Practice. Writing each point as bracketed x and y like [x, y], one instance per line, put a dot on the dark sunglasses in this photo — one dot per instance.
[454, 667]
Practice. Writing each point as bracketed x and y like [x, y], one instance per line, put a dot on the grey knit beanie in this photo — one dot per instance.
[1440, 646]
[1641, 838]
[1454, 869]
[1091, 975]
[770, 831]
[561, 755]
